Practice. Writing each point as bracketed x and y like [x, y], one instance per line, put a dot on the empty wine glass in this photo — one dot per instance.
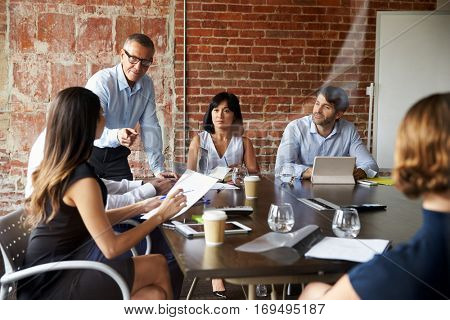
[287, 173]
[261, 290]
[346, 223]
[238, 175]
[202, 161]
[281, 217]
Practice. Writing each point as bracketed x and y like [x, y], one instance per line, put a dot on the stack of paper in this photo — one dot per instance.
[219, 173]
[357, 250]
[194, 186]
[386, 181]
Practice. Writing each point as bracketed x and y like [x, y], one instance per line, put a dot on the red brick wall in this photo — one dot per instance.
[49, 45]
[273, 54]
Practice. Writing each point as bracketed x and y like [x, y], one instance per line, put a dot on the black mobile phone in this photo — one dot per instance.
[367, 207]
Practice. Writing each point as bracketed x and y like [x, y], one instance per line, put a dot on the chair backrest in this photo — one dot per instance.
[13, 239]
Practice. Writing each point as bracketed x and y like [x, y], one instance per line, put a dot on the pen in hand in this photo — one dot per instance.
[165, 196]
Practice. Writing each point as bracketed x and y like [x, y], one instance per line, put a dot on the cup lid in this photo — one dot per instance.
[252, 178]
[214, 215]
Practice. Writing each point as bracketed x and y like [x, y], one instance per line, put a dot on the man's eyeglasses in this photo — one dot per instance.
[135, 60]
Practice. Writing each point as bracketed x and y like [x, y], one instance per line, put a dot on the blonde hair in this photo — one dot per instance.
[71, 127]
[423, 147]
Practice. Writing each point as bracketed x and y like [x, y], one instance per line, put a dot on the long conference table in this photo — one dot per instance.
[284, 265]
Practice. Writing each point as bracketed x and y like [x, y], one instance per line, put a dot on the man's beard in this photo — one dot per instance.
[323, 121]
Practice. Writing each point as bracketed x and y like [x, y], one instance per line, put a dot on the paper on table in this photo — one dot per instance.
[274, 240]
[357, 250]
[194, 186]
[224, 186]
[386, 181]
[219, 173]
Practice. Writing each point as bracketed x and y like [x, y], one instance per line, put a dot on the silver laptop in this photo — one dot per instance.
[333, 170]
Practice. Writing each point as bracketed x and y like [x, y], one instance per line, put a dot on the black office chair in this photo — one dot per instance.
[13, 243]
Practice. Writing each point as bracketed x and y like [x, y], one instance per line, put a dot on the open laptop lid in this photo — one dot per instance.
[333, 170]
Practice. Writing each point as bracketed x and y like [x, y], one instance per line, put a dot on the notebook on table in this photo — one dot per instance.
[333, 170]
[357, 250]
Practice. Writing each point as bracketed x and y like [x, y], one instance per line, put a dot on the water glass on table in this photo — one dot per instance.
[287, 173]
[261, 290]
[202, 161]
[238, 174]
[346, 223]
[281, 217]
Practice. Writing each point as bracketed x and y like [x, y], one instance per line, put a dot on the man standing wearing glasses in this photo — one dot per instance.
[127, 96]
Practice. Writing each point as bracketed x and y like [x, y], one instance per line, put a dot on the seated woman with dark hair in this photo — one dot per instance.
[66, 211]
[419, 269]
[222, 137]
[224, 144]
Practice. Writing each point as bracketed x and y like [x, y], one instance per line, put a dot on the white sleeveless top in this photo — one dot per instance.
[233, 155]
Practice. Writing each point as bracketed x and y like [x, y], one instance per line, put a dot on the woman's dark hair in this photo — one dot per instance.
[71, 126]
[233, 104]
[336, 96]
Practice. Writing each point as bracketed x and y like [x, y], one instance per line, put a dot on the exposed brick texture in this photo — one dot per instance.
[272, 53]
[55, 44]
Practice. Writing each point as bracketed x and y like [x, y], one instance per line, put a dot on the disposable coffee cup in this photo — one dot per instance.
[251, 186]
[214, 222]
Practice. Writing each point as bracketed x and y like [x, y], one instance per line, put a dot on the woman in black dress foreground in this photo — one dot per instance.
[66, 212]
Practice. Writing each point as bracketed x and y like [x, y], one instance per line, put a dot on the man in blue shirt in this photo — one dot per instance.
[324, 133]
[420, 268]
[127, 96]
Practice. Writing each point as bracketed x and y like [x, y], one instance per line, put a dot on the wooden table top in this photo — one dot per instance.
[398, 223]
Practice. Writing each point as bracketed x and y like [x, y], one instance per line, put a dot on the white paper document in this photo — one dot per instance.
[194, 186]
[273, 240]
[224, 186]
[358, 250]
[219, 173]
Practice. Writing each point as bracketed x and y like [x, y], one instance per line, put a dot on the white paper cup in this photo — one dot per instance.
[251, 186]
[214, 222]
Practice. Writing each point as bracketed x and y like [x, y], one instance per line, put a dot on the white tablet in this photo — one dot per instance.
[333, 170]
[194, 230]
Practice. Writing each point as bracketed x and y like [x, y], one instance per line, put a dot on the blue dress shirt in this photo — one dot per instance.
[301, 143]
[124, 107]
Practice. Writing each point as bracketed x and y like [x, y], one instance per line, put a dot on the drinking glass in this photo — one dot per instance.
[261, 290]
[346, 223]
[238, 175]
[281, 217]
[202, 161]
[287, 173]
[177, 167]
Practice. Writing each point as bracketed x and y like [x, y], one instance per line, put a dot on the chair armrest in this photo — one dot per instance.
[65, 265]
[148, 241]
